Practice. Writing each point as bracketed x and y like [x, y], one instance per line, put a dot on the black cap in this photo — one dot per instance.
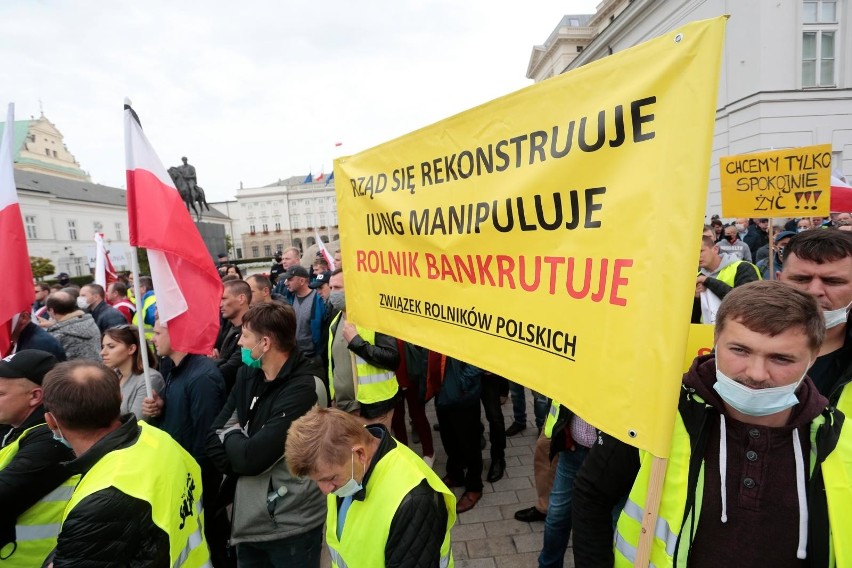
[29, 364]
[784, 234]
[62, 275]
[296, 270]
[277, 255]
[222, 254]
[321, 279]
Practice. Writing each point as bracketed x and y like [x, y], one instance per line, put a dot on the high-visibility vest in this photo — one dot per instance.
[374, 384]
[729, 274]
[837, 476]
[157, 470]
[37, 527]
[367, 524]
[552, 416]
[149, 329]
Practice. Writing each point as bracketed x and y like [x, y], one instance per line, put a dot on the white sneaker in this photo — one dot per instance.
[429, 460]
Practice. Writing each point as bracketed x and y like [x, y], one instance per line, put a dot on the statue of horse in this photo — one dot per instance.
[201, 199]
[185, 193]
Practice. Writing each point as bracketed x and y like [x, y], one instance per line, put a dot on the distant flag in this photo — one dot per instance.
[841, 195]
[320, 177]
[17, 293]
[104, 271]
[329, 179]
[186, 282]
[336, 144]
[324, 251]
[309, 179]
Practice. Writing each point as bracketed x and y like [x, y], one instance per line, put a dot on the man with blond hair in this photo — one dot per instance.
[386, 507]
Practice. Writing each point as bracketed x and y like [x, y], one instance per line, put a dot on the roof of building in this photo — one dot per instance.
[73, 190]
[292, 180]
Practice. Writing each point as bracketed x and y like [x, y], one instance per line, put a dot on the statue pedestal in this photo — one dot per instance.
[213, 235]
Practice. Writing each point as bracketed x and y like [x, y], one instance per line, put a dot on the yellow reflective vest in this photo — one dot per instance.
[671, 524]
[729, 274]
[37, 528]
[146, 303]
[365, 531]
[374, 384]
[552, 417]
[157, 470]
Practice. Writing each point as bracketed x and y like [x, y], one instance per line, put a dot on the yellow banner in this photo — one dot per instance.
[551, 235]
[699, 342]
[782, 183]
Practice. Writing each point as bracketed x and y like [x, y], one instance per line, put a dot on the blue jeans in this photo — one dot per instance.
[519, 405]
[301, 550]
[557, 525]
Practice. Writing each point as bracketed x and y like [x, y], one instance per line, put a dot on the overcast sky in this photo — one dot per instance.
[261, 90]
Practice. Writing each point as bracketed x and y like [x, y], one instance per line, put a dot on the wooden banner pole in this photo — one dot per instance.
[771, 252]
[652, 508]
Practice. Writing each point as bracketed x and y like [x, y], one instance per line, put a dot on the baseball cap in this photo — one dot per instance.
[784, 234]
[296, 270]
[29, 364]
[322, 278]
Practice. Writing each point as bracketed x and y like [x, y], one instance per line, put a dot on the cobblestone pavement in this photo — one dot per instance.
[488, 536]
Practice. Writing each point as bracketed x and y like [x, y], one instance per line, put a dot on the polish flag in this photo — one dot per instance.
[17, 293]
[186, 283]
[104, 271]
[324, 251]
[841, 196]
[320, 177]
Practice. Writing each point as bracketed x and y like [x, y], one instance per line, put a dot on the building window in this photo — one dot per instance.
[579, 49]
[267, 250]
[98, 226]
[255, 252]
[251, 229]
[72, 230]
[298, 244]
[54, 153]
[295, 223]
[118, 236]
[239, 252]
[277, 226]
[47, 152]
[30, 222]
[819, 11]
[265, 228]
[819, 36]
[818, 59]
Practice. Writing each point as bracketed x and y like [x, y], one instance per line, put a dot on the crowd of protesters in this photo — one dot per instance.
[294, 427]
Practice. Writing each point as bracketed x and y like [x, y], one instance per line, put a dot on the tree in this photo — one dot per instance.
[229, 245]
[41, 267]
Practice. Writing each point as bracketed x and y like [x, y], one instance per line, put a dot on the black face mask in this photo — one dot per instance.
[731, 239]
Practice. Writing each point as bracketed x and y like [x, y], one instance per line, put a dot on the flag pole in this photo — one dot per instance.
[652, 508]
[140, 321]
[771, 253]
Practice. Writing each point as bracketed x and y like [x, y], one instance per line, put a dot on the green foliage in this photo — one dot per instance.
[41, 267]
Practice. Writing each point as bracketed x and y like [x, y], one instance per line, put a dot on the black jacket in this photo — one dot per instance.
[34, 337]
[419, 524]
[36, 470]
[106, 316]
[110, 528]
[278, 404]
[755, 239]
[230, 357]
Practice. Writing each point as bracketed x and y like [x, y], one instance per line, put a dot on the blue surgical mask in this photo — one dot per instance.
[833, 318]
[351, 487]
[248, 359]
[757, 402]
[61, 439]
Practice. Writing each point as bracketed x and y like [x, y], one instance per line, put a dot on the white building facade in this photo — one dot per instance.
[786, 77]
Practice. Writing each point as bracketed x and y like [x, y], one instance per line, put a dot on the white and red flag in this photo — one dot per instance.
[104, 271]
[186, 283]
[841, 195]
[324, 252]
[17, 293]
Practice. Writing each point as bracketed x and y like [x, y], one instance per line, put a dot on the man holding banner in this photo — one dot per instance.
[742, 487]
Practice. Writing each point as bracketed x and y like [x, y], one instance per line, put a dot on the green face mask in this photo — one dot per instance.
[248, 360]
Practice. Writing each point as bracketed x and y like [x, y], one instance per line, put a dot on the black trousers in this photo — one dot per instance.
[460, 432]
[492, 386]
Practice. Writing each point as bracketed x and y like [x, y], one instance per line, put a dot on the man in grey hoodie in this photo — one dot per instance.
[76, 331]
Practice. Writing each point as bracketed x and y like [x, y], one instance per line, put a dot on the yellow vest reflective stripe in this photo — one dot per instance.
[837, 476]
[36, 528]
[374, 384]
[365, 530]
[157, 470]
[729, 274]
[552, 416]
[147, 303]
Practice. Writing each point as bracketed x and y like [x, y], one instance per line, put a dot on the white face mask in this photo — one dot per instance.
[757, 402]
[351, 487]
[833, 318]
[82, 303]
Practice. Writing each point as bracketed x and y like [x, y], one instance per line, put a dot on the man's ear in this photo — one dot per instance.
[51, 421]
[37, 395]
